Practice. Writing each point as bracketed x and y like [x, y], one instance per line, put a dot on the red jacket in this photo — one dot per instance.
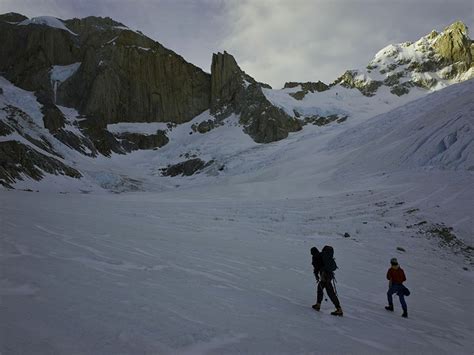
[397, 276]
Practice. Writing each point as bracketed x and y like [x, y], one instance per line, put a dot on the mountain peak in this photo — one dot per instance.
[434, 61]
[458, 26]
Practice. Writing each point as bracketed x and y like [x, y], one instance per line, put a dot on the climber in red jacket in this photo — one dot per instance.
[396, 277]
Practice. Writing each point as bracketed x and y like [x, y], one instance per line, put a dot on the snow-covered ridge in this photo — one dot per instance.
[398, 74]
[421, 63]
[46, 21]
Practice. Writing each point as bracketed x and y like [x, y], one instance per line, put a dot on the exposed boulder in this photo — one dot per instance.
[233, 91]
[141, 141]
[186, 168]
[18, 160]
[205, 126]
[53, 118]
[401, 89]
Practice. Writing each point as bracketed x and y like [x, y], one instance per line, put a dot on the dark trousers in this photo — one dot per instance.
[326, 284]
[398, 289]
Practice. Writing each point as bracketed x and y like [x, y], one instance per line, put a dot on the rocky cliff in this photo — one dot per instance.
[233, 91]
[123, 75]
[103, 69]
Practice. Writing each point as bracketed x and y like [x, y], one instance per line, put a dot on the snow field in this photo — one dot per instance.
[202, 273]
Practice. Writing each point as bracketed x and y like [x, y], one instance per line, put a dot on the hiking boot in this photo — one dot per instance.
[389, 307]
[337, 312]
[316, 306]
[405, 314]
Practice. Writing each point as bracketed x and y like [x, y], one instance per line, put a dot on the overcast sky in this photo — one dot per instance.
[274, 41]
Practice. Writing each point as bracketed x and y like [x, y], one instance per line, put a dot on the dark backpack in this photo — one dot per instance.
[327, 255]
[404, 291]
[317, 260]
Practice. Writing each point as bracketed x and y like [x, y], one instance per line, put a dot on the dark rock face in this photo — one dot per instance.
[393, 79]
[129, 77]
[53, 118]
[28, 52]
[5, 129]
[401, 89]
[79, 143]
[233, 91]
[309, 86]
[349, 80]
[124, 75]
[12, 17]
[140, 141]
[264, 122]
[453, 45]
[104, 141]
[17, 120]
[17, 158]
[324, 120]
[186, 168]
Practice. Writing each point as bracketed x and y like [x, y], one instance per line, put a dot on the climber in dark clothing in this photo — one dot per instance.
[324, 275]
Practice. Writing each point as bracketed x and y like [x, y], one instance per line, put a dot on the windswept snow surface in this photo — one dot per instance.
[202, 272]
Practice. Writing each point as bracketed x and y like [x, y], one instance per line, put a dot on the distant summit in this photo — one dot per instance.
[434, 61]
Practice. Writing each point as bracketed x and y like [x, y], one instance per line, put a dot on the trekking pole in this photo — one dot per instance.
[334, 284]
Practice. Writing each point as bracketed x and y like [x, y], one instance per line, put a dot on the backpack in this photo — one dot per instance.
[329, 264]
[317, 260]
[404, 291]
